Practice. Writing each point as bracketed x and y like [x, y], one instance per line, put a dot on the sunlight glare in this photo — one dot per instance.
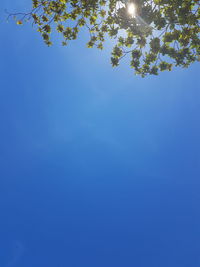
[132, 9]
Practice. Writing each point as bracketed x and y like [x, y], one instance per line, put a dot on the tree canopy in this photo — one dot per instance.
[157, 34]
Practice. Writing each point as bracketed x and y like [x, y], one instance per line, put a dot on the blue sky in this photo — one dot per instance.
[98, 167]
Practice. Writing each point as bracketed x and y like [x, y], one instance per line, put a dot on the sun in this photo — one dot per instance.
[131, 8]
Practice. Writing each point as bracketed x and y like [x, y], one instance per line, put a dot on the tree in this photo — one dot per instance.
[157, 34]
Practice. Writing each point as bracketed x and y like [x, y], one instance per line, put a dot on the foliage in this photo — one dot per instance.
[161, 34]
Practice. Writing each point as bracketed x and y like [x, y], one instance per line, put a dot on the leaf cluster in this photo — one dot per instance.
[162, 34]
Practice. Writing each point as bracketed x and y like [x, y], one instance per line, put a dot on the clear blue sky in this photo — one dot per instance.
[98, 167]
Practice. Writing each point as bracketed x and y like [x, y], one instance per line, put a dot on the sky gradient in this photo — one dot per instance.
[98, 167]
